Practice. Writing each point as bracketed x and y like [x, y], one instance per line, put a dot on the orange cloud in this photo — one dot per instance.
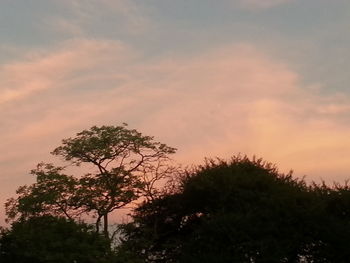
[40, 71]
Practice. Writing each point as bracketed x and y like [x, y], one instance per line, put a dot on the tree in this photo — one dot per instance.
[123, 163]
[53, 193]
[241, 210]
[48, 239]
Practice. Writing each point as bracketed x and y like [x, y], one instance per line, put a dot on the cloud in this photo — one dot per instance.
[69, 27]
[236, 99]
[217, 103]
[261, 4]
[40, 70]
[124, 16]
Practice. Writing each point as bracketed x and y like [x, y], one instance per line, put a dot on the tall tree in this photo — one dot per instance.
[123, 165]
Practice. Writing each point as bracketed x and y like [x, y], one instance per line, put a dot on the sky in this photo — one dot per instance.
[212, 78]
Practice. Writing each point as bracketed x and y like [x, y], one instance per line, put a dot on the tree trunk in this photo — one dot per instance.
[105, 226]
[97, 224]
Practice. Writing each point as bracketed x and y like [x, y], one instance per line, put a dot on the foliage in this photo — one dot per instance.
[48, 239]
[126, 165]
[242, 211]
[52, 194]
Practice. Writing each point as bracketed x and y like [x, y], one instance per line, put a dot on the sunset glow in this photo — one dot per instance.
[211, 78]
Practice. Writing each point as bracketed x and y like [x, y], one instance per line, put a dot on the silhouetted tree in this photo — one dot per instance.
[48, 239]
[126, 164]
[242, 211]
[53, 193]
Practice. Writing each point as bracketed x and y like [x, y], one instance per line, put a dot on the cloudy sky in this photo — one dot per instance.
[209, 77]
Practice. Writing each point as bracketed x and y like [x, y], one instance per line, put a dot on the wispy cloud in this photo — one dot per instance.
[123, 15]
[261, 4]
[52, 70]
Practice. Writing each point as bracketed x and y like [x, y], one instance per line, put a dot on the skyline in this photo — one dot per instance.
[265, 78]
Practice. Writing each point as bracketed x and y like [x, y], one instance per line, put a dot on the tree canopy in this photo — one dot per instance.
[52, 239]
[125, 164]
[242, 210]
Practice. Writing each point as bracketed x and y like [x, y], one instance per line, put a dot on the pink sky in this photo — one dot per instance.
[214, 101]
[232, 99]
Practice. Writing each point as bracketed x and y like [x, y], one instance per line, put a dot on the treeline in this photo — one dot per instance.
[237, 210]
